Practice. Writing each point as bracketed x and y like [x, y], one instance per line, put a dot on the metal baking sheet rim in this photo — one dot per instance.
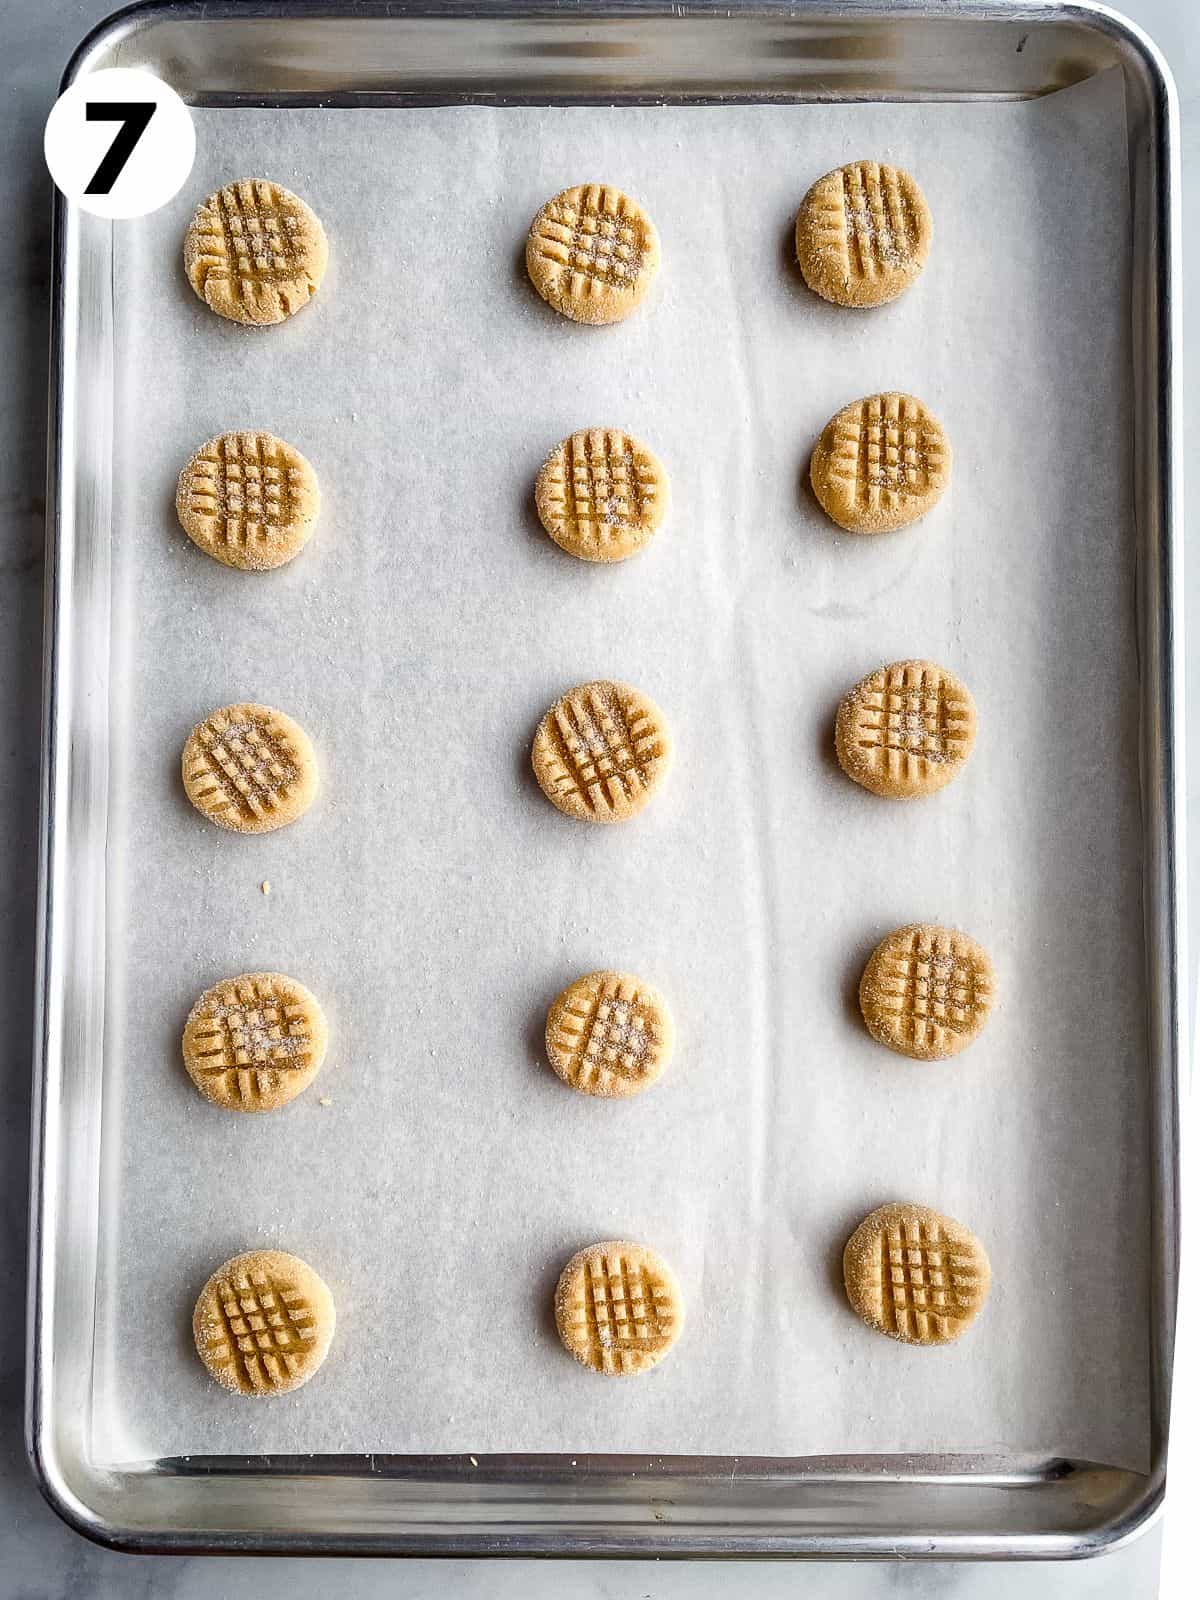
[848, 1507]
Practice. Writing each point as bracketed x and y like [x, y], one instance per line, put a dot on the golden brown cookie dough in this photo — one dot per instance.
[248, 500]
[609, 1034]
[880, 464]
[601, 751]
[592, 253]
[906, 730]
[254, 252]
[618, 1308]
[926, 991]
[916, 1275]
[263, 1323]
[253, 1043]
[601, 494]
[249, 768]
[862, 234]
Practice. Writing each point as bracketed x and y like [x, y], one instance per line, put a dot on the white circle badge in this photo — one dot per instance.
[120, 142]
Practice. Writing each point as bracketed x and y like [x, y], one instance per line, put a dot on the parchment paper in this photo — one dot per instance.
[436, 903]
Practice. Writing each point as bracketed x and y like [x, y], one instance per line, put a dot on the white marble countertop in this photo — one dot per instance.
[39, 1557]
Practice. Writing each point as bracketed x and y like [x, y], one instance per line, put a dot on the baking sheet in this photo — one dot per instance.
[436, 903]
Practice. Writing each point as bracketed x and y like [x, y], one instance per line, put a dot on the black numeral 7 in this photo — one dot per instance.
[134, 117]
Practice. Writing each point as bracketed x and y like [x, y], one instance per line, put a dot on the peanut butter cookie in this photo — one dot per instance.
[253, 1043]
[601, 751]
[249, 768]
[263, 1323]
[254, 252]
[906, 730]
[926, 991]
[880, 464]
[916, 1275]
[592, 253]
[862, 234]
[609, 1034]
[618, 1308]
[601, 495]
[248, 500]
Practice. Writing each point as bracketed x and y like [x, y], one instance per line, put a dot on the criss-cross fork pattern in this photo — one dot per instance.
[887, 450]
[878, 220]
[244, 488]
[606, 488]
[913, 712]
[594, 237]
[604, 749]
[244, 479]
[927, 1281]
[267, 1327]
[251, 1035]
[250, 768]
[259, 233]
[253, 253]
[626, 1311]
[609, 1033]
[930, 987]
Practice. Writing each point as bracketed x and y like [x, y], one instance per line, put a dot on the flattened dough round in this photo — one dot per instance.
[253, 1043]
[906, 730]
[263, 1323]
[926, 991]
[254, 252]
[249, 768]
[601, 751]
[592, 253]
[602, 495]
[915, 1274]
[618, 1308]
[862, 234]
[248, 500]
[609, 1034]
[880, 464]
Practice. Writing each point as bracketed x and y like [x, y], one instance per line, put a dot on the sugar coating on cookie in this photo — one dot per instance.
[618, 1308]
[601, 494]
[249, 768]
[248, 500]
[592, 253]
[601, 751]
[863, 233]
[253, 1043]
[926, 991]
[254, 252]
[263, 1323]
[905, 730]
[881, 463]
[609, 1034]
[915, 1275]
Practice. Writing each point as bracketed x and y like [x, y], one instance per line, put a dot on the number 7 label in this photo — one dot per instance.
[126, 172]
[134, 117]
